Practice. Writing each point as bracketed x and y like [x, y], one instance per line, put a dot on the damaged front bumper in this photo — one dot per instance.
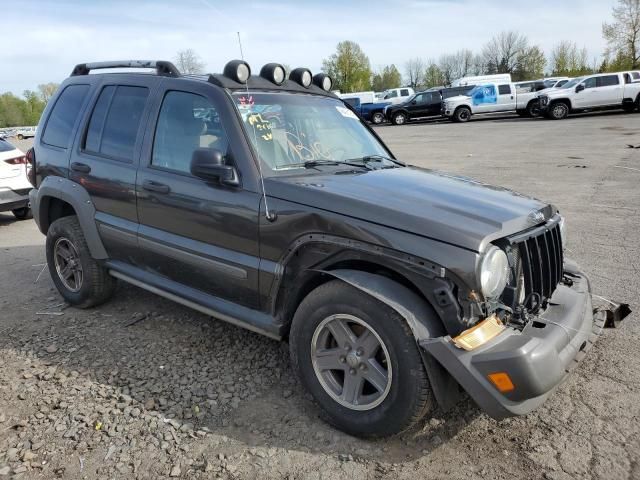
[536, 359]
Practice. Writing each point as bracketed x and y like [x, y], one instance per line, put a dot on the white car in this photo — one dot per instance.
[395, 96]
[14, 183]
[591, 92]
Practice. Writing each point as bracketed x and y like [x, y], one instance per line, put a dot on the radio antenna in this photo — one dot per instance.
[267, 213]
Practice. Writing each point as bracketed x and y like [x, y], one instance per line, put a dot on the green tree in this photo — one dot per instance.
[349, 68]
[530, 64]
[433, 76]
[623, 34]
[567, 59]
[389, 77]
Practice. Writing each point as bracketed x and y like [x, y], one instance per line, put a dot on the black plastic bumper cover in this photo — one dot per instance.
[537, 359]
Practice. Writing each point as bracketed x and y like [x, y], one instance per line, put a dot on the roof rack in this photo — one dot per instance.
[162, 67]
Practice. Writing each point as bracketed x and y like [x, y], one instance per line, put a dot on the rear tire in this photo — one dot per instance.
[533, 109]
[329, 364]
[377, 118]
[23, 213]
[462, 115]
[79, 278]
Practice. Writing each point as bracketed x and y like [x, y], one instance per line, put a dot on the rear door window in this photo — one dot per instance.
[115, 121]
[607, 80]
[504, 89]
[404, 92]
[65, 112]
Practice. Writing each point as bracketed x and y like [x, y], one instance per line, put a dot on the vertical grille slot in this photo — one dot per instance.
[541, 257]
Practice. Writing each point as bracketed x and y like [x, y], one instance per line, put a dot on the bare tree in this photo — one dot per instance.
[501, 54]
[189, 61]
[623, 35]
[457, 65]
[414, 69]
[46, 90]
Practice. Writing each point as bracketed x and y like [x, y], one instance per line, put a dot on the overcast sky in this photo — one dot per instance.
[42, 40]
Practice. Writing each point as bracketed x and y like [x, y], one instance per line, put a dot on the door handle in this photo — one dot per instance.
[155, 186]
[80, 167]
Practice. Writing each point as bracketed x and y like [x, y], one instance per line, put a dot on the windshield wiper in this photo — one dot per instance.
[377, 158]
[316, 163]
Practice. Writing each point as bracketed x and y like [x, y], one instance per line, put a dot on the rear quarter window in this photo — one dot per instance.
[59, 126]
[5, 146]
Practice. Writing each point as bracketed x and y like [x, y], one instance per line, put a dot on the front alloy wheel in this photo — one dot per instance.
[559, 111]
[360, 361]
[351, 362]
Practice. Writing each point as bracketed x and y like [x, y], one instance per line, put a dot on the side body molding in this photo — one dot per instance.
[75, 195]
[421, 318]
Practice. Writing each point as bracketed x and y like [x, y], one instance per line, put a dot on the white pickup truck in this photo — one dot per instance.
[492, 98]
[591, 92]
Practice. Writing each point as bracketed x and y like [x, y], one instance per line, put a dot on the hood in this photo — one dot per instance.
[452, 209]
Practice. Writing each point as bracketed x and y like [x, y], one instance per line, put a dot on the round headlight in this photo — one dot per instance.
[494, 271]
[274, 72]
[563, 232]
[301, 76]
[323, 81]
[237, 70]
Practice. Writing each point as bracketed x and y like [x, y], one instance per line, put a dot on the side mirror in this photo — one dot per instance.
[579, 88]
[208, 164]
[413, 102]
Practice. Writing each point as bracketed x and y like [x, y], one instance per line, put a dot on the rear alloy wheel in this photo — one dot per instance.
[23, 213]
[533, 109]
[377, 118]
[462, 115]
[360, 361]
[559, 111]
[399, 118]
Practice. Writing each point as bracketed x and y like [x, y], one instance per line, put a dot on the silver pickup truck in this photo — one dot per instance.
[493, 98]
[592, 92]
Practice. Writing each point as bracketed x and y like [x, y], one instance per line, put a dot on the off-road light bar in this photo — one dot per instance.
[323, 81]
[301, 76]
[237, 70]
[274, 72]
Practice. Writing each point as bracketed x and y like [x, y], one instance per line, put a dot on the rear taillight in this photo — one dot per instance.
[31, 166]
[17, 161]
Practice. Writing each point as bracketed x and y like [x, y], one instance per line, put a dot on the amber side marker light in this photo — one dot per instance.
[479, 334]
[501, 381]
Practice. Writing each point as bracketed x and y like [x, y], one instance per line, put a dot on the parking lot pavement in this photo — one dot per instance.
[141, 387]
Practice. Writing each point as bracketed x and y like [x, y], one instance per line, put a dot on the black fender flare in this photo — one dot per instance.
[419, 315]
[76, 196]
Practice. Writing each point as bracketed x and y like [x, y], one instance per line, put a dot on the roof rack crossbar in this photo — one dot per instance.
[162, 67]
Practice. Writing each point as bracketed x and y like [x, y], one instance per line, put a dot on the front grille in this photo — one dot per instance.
[539, 261]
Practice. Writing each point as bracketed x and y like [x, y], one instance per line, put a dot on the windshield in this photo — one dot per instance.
[573, 83]
[288, 129]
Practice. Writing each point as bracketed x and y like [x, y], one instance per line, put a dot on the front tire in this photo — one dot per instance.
[558, 111]
[533, 109]
[400, 118]
[360, 361]
[81, 280]
[23, 213]
[462, 115]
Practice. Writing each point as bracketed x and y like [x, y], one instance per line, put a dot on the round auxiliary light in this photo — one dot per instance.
[237, 70]
[301, 76]
[323, 81]
[274, 72]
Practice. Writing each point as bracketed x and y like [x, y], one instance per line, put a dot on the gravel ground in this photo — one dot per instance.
[144, 388]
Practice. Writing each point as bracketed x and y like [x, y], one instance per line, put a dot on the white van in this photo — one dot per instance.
[479, 79]
[365, 97]
[397, 95]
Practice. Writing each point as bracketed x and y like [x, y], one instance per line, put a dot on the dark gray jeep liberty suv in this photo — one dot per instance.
[267, 202]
